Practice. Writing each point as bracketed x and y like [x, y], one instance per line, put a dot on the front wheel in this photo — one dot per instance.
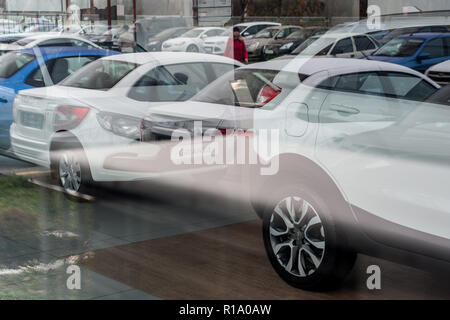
[192, 48]
[302, 242]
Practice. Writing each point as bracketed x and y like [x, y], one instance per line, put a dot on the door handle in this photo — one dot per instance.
[3, 100]
[344, 109]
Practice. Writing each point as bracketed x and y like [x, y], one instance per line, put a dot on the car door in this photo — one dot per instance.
[390, 159]
[344, 48]
[433, 52]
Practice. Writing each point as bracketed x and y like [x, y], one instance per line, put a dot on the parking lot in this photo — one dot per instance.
[224, 150]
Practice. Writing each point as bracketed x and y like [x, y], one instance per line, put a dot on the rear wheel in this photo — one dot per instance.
[302, 241]
[71, 167]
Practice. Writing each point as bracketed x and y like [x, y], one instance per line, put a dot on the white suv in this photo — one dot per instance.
[362, 161]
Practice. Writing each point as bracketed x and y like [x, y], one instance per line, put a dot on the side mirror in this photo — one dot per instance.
[423, 56]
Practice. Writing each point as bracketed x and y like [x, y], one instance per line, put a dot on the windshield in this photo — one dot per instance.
[12, 62]
[296, 35]
[315, 46]
[100, 75]
[400, 47]
[95, 30]
[267, 33]
[194, 33]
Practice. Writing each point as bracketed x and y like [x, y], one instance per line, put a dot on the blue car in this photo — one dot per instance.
[418, 51]
[37, 67]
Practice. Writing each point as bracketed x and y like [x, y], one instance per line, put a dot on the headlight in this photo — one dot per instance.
[254, 45]
[220, 43]
[287, 46]
[125, 126]
[153, 43]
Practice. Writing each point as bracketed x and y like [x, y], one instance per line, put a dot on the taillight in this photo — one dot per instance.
[266, 94]
[69, 117]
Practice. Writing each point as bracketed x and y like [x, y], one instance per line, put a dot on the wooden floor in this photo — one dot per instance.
[230, 263]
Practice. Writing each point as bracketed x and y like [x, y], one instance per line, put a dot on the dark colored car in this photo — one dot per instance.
[154, 43]
[256, 45]
[278, 47]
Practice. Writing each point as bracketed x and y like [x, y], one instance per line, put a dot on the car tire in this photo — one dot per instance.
[306, 249]
[192, 48]
[70, 167]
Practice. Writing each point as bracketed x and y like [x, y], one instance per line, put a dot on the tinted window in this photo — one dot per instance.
[58, 70]
[403, 47]
[435, 48]
[363, 43]
[343, 46]
[170, 83]
[12, 62]
[101, 75]
[396, 85]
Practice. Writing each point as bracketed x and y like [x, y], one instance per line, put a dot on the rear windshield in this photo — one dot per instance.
[12, 62]
[100, 75]
[400, 47]
[243, 88]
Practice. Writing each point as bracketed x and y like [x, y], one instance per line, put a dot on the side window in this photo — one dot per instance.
[58, 70]
[211, 33]
[363, 43]
[170, 83]
[283, 33]
[435, 48]
[220, 69]
[194, 75]
[407, 86]
[253, 30]
[365, 83]
[343, 46]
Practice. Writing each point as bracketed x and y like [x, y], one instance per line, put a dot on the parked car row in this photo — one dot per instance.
[361, 156]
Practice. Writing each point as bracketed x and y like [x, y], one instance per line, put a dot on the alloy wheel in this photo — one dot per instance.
[297, 236]
[70, 172]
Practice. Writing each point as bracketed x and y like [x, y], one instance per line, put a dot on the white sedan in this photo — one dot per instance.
[217, 45]
[51, 39]
[193, 40]
[99, 109]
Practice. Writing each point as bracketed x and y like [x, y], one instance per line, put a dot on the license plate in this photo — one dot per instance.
[32, 120]
[207, 49]
[269, 51]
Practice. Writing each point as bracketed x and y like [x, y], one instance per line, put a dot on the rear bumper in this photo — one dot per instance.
[28, 149]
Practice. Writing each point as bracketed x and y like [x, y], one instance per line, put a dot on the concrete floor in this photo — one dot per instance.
[147, 248]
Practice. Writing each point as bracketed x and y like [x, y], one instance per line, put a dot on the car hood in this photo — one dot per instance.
[217, 39]
[397, 60]
[441, 67]
[176, 40]
[261, 41]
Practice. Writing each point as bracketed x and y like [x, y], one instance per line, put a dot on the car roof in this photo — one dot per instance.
[310, 66]
[168, 57]
[63, 51]
[425, 35]
[54, 35]
[248, 24]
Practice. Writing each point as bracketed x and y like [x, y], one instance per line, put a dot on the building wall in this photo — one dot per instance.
[390, 7]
